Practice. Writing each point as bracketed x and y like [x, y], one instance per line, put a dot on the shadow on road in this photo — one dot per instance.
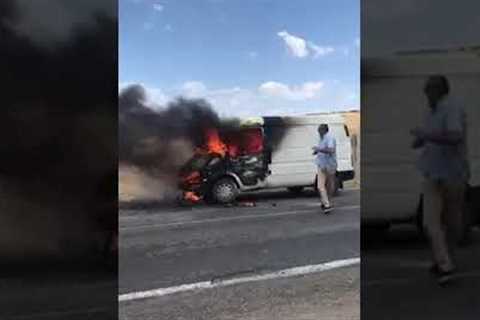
[396, 280]
[246, 199]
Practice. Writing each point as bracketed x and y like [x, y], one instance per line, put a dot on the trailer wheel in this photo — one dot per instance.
[224, 191]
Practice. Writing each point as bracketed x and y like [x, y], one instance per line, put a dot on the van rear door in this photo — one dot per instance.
[344, 146]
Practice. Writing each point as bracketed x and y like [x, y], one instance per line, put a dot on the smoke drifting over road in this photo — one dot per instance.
[58, 122]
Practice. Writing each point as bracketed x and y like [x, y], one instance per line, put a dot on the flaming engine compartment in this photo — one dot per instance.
[241, 152]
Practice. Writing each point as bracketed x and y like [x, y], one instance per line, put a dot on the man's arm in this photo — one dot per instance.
[418, 143]
[444, 138]
[451, 135]
[323, 150]
[330, 148]
[326, 150]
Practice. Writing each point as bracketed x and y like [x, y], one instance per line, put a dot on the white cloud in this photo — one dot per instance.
[168, 28]
[301, 48]
[320, 51]
[194, 89]
[306, 91]
[158, 7]
[252, 54]
[296, 46]
[156, 97]
[270, 98]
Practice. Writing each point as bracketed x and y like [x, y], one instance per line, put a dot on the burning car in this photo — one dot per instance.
[230, 160]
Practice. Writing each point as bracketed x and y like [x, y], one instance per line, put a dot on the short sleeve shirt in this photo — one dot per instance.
[327, 161]
[445, 162]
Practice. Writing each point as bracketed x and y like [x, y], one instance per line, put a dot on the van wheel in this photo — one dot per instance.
[295, 189]
[225, 191]
[338, 186]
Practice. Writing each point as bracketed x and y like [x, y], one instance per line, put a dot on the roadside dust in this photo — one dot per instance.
[136, 185]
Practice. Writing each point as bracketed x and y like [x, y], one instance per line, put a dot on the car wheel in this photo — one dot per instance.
[225, 191]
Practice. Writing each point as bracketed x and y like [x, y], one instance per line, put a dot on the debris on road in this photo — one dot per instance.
[246, 204]
[191, 197]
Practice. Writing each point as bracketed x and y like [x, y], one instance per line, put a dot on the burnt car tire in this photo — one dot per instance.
[224, 191]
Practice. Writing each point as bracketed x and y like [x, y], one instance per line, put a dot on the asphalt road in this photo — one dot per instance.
[396, 283]
[47, 290]
[167, 246]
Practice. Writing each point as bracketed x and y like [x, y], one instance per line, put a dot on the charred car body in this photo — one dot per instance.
[268, 152]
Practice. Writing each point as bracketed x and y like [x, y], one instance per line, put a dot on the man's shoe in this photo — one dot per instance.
[444, 277]
[328, 209]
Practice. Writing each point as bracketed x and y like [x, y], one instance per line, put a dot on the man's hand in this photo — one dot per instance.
[418, 143]
[317, 150]
[443, 138]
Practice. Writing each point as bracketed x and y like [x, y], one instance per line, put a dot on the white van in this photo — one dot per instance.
[292, 164]
[282, 158]
[393, 102]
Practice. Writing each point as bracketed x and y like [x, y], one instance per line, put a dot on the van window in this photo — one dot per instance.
[346, 131]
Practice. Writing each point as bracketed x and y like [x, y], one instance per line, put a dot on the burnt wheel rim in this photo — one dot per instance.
[225, 192]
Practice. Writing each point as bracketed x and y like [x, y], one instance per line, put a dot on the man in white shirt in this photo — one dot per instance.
[326, 161]
[445, 170]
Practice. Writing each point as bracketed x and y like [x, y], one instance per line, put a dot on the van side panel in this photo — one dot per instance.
[293, 162]
[391, 184]
[344, 147]
[390, 181]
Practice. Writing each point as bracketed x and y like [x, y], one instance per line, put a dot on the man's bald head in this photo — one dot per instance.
[436, 87]
[323, 129]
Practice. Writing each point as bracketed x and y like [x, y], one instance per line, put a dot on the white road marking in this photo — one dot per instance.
[286, 273]
[235, 218]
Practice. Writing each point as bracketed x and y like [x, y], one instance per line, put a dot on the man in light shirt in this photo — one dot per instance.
[445, 169]
[326, 161]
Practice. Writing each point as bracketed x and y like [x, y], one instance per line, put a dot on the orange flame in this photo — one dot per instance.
[214, 143]
[192, 178]
[191, 196]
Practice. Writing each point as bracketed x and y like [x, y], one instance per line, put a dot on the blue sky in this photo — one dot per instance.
[247, 57]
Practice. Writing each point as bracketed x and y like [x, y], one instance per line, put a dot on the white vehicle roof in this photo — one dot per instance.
[315, 119]
[310, 119]
[424, 62]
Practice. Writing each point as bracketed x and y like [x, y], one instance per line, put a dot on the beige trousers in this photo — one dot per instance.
[326, 186]
[443, 206]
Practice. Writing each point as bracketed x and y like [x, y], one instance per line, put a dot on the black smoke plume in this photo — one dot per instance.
[58, 125]
[146, 135]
